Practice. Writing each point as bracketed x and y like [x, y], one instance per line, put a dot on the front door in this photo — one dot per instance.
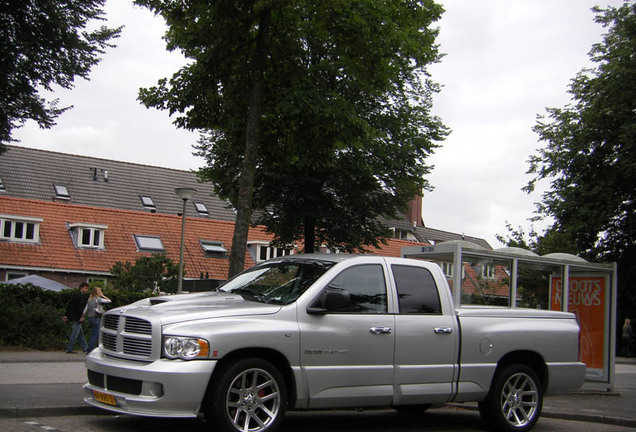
[347, 354]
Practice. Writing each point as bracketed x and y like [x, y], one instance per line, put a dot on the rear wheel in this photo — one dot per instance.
[514, 401]
[247, 396]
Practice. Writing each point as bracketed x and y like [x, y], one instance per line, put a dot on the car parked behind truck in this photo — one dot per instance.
[330, 331]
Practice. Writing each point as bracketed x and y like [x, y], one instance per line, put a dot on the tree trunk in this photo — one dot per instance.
[252, 137]
[310, 235]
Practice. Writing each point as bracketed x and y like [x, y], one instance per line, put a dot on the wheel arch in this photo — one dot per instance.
[532, 359]
[274, 357]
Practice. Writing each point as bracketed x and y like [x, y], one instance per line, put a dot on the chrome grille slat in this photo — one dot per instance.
[136, 325]
[127, 336]
[137, 347]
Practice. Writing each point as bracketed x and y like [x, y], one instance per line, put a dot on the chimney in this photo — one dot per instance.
[414, 214]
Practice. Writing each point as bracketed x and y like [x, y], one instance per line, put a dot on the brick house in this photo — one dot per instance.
[70, 218]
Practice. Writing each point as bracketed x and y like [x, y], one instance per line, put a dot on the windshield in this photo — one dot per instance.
[280, 282]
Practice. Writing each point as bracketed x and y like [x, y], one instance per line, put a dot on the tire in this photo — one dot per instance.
[248, 395]
[411, 409]
[514, 401]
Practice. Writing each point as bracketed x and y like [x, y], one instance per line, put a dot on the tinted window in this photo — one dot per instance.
[417, 292]
[366, 288]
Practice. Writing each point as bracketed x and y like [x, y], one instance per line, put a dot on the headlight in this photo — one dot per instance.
[186, 348]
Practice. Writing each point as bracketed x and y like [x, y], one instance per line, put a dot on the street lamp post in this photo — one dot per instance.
[185, 194]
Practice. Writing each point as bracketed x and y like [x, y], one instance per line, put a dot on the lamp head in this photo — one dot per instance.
[185, 193]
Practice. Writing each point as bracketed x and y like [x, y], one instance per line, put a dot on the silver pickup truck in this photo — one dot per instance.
[329, 331]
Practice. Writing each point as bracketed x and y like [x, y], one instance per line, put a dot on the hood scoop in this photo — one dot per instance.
[156, 301]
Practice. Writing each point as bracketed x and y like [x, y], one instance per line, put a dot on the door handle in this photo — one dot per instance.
[380, 330]
[443, 330]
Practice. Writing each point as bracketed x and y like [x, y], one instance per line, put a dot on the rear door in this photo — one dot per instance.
[426, 338]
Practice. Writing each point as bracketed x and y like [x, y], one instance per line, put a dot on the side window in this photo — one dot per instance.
[366, 288]
[417, 291]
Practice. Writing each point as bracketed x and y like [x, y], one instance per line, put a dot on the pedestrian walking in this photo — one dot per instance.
[74, 309]
[628, 338]
[93, 311]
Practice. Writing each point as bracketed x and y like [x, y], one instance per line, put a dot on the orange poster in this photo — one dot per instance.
[587, 302]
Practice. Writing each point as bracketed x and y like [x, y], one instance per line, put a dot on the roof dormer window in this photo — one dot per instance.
[20, 229]
[88, 236]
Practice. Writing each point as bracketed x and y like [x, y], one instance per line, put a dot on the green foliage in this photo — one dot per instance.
[552, 240]
[43, 44]
[31, 317]
[590, 156]
[148, 274]
[345, 126]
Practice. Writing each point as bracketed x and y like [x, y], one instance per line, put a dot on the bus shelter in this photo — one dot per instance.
[519, 278]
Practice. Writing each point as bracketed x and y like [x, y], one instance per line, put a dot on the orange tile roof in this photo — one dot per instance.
[56, 249]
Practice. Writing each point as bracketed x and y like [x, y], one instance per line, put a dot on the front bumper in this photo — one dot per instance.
[163, 388]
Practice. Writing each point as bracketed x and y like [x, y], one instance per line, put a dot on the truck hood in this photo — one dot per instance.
[190, 307]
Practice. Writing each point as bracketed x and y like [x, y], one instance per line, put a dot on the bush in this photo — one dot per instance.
[31, 317]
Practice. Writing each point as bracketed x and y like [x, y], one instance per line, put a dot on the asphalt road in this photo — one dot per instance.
[446, 419]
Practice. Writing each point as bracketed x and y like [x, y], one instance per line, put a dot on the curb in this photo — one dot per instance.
[588, 418]
[616, 421]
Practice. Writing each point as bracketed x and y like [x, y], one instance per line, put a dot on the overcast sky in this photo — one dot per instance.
[506, 61]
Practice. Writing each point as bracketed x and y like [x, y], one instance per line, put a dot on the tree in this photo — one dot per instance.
[44, 43]
[353, 129]
[344, 89]
[148, 273]
[590, 153]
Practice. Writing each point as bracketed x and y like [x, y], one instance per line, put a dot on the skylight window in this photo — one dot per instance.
[201, 208]
[147, 201]
[2, 188]
[148, 243]
[61, 192]
[213, 247]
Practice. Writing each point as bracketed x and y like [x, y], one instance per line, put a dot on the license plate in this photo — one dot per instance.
[104, 398]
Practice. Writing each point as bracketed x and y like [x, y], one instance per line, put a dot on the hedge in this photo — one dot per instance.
[31, 317]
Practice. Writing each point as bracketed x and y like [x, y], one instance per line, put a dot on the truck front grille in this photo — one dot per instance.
[127, 336]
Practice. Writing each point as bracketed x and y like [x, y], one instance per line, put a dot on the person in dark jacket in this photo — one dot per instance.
[74, 311]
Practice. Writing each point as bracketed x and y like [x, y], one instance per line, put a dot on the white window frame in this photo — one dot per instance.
[78, 230]
[10, 223]
[262, 251]
[11, 274]
[447, 268]
[488, 271]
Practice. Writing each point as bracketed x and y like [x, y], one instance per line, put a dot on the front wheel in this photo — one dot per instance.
[247, 396]
[514, 401]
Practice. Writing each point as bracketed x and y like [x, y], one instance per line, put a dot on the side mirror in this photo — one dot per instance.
[330, 300]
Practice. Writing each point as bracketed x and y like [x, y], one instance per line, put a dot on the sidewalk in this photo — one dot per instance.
[42, 383]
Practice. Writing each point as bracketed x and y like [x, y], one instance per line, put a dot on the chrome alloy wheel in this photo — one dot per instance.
[519, 400]
[253, 400]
